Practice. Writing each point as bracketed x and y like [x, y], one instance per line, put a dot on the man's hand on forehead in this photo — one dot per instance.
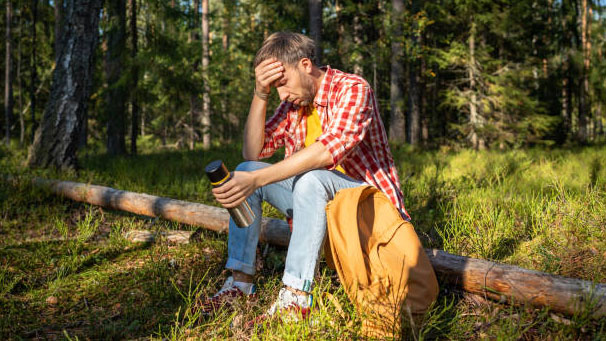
[269, 72]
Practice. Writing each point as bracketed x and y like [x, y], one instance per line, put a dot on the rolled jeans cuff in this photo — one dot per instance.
[234, 264]
[297, 283]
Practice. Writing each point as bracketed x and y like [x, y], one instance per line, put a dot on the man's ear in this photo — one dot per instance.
[306, 65]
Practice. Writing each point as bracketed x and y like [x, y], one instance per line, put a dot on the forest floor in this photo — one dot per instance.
[67, 272]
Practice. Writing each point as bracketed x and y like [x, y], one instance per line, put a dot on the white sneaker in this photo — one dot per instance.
[289, 307]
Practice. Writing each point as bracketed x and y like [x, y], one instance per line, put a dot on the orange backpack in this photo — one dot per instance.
[379, 259]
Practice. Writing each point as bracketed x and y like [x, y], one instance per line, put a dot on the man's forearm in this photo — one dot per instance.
[254, 130]
[312, 157]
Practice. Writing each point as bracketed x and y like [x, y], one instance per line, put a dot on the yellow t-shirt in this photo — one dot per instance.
[314, 129]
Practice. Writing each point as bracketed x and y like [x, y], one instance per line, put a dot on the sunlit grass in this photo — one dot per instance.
[539, 209]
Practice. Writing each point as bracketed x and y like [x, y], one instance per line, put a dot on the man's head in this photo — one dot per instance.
[296, 53]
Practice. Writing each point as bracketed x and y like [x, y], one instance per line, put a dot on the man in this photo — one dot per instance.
[329, 124]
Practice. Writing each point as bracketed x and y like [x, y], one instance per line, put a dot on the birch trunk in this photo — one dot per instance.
[58, 23]
[474, 118]
[56, 140]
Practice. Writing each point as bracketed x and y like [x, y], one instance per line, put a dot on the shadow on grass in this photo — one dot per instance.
[135, 298]
[50, 251]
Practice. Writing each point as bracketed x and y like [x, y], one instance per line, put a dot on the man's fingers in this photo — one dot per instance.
[232, 200]
[267, 62]
[234, 203]
[269, 69]
[271, 79]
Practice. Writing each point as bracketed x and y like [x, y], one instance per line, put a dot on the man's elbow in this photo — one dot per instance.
[250, 156]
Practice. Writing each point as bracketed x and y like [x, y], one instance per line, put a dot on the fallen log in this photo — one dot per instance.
[273, 231]
[505, 283]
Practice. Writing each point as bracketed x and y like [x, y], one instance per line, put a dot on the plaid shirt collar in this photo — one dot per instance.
[321, 98]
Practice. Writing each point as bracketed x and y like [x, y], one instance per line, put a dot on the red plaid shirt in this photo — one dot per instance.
[352, 132]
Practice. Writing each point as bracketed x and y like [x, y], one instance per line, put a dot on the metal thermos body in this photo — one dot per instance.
[218, 174]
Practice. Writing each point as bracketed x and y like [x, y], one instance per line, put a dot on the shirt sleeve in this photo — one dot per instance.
[275, 129]
[353, 115]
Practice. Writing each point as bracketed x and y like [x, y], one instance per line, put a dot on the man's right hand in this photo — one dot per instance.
[266, 73]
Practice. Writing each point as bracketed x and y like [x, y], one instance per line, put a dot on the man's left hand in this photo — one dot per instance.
[236, 190]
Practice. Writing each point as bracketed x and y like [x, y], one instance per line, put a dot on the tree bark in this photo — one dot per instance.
[414, 105]
[135, 78]
[520, 286]
[205, 119]
[358, 69]
[232, 124]
[58, 25]
[20, 83]
[34, 73]
[397, 122]
[56, 140]
[497, 281]
[115, 101]
[474, 117]
[194, 100]
[341, 37]
[584, 88]
[8, 75]
[315, 27]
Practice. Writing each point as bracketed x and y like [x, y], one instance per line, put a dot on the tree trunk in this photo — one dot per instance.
[20, 83]
[397, 122]
[315, 27]
[115, 101]
[34, 73]
[474, 118]
[423, 104]
[56, 141]
[584, 88]
[358, 69]
[143, 122]
[8, 75]
[194, 100]
[135, 78]
[414, 106]
[226, 26]
[58, 25]
[206, 92]
[233, 121]
[565, 112]
[341, 41]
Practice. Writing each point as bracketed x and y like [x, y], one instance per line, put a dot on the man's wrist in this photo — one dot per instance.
[262, 95]
[258, 178]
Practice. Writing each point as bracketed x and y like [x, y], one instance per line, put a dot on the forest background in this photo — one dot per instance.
[494, 109]
[482, 74]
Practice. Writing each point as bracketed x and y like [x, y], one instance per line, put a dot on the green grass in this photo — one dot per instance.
[541, 209]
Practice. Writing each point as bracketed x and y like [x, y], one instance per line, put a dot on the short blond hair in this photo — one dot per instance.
[287, 47]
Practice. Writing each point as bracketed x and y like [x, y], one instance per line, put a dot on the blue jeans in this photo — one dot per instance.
[302, 198]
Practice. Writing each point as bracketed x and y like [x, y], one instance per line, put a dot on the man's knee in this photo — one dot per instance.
[310, 184]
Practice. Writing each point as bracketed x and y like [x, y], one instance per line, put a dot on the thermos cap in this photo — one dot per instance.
[217, 172]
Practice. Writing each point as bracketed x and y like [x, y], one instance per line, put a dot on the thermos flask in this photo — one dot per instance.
[218, 175]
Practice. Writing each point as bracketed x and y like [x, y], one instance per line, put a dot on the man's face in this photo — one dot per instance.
[296, 86]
